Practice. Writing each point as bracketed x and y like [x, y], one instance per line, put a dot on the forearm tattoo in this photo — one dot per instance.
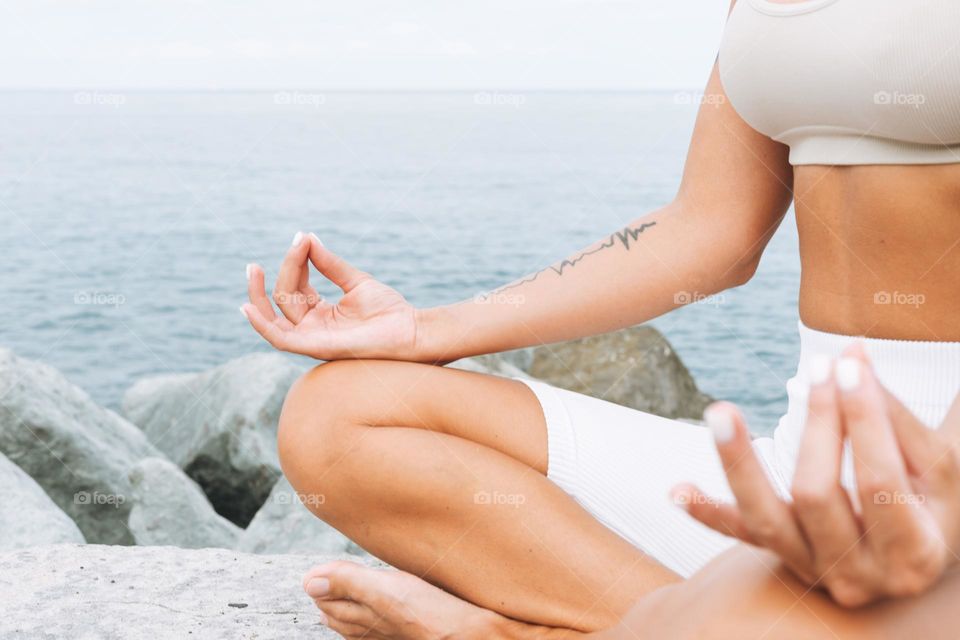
[627, 237]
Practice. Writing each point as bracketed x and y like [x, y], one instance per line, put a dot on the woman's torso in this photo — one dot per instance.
[867, 95]
[880, 250]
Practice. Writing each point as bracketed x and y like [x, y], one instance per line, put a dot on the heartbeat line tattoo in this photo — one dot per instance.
[626, 237]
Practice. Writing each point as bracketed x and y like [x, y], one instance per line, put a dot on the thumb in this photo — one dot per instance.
[333, 267]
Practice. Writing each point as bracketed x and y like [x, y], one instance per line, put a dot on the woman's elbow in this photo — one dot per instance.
[743, 271]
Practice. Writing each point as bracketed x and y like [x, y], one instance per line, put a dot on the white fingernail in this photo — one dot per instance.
[249, 269]
[243, 310]
[297, 239]
[314, 236]
[720, 421]
[819, 369]
[848, 373]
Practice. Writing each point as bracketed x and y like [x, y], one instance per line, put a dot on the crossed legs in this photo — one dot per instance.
[399, 451]
[405, 456]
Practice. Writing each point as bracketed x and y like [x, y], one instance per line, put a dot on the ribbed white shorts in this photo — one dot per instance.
[620, 463]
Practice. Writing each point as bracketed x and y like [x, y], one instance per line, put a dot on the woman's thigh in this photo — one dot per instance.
[620, 464]
[495, 412]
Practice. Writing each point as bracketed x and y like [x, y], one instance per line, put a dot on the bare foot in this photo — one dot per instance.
[384, 604]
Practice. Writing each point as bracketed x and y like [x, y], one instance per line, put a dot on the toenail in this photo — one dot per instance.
[318, 587]
[323, 618]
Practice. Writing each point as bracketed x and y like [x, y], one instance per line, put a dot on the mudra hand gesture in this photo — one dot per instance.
[894, 536]
[371, 320]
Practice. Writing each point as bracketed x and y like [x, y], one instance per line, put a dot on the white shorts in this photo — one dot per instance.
[620, 463]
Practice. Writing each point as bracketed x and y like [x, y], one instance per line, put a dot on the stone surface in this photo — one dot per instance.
[635, 367]
[285, 525]
[28, 516]
[168, 508]
[116, 593]
[77, 451]
[220, 427]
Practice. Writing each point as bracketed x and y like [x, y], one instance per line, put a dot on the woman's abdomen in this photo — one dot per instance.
[880, 250]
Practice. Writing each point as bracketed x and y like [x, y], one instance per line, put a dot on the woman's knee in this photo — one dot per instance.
[317, 420]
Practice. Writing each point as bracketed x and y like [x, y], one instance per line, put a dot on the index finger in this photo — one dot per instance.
[256, 291]
[769, 519]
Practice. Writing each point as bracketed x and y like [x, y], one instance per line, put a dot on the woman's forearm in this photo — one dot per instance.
[663, 260]
[734, 192]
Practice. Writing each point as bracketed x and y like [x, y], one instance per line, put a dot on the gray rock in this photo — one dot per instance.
[115, 593]
[220, 427]
[635, 367]
[77, 451]
[28, 516]
[168, 508]
[285, 525]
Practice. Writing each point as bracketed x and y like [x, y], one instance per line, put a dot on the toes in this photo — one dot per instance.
[324, 570]
[317, 587]
[347, 612]
[340, 580]
[315, 572]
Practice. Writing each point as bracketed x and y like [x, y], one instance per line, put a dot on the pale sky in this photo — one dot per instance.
[358, 44]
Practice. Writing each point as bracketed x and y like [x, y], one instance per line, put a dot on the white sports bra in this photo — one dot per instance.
[846, 82]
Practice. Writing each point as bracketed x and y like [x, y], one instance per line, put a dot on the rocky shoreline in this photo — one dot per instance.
[185, 488]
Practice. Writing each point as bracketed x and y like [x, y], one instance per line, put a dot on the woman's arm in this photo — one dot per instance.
[734, 192]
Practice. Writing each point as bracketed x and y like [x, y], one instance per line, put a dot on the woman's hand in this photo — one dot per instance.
[371, 320]
[894, 537]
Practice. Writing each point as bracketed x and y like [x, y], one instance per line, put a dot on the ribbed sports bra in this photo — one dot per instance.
[845, 82]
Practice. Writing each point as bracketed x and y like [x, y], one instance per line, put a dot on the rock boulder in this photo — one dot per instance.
[635, 367]
[79, 452]
[168, 508]
[220, 427]
[28, 516]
